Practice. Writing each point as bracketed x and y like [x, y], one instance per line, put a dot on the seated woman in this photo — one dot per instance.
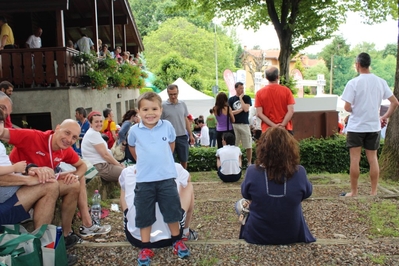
[129, 119]
[160, 234]
[229, 159]
[95, 150]
[276, 185]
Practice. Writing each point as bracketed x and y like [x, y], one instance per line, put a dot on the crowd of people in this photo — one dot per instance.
[84, 45]
[158, 202]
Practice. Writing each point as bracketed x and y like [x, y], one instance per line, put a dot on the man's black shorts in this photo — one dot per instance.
[368, 140]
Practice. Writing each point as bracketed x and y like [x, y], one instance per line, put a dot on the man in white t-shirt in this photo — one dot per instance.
[363, 96]
[229, 159]
[84, 44]
[160, 233]
[34, 41]
[204, 137]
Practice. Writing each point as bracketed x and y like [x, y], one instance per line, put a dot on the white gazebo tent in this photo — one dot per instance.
[197, 102]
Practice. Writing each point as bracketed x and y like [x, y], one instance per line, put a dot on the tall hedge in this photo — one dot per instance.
[317, 155]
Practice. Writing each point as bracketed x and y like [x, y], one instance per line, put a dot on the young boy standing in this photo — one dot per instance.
[153, 140]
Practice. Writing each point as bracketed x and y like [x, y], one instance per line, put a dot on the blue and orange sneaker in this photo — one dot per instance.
[145, 256]
[180, 249]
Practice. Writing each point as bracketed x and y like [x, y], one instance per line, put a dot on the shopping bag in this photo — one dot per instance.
[15, 229]
[53, 254]
[117, 151]
[5, 261]
[20, 250]
[91, 170]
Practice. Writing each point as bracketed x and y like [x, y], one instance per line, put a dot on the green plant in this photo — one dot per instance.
[317, 156]
[107, 72]
[290, 83]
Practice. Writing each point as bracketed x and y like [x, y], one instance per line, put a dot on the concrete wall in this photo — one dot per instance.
[322, 103]
[62, 102]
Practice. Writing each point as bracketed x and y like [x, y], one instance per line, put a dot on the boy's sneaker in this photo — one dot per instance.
[71, 240]
[192, 235]
[95, 229]
[145, 256]
[180, 249]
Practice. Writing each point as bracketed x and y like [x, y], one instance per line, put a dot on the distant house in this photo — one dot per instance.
[259, 60]
[45, 79]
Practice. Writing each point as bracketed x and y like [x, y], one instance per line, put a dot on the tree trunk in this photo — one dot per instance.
[389, 159]
[284, 59]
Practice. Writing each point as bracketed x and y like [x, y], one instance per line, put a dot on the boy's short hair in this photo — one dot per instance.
[229, 138]
[106, 112]
[149, 96]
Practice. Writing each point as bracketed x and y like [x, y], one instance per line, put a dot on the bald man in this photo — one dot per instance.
[275, 103]
[34, 41]
[49, 149]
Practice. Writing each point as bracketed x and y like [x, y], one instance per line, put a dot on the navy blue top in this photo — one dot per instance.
[83, 129]
[235, 104]
[276, 217]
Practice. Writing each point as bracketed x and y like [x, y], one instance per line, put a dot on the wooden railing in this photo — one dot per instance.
[52, 66]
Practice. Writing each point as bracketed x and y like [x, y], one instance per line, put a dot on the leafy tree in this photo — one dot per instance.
[338, 46]
[172, 67]
[194, 46]
[237, 60]
[383, 68]
[150, 14]
[343, 72]
[298, 24]
[366, 48]
[390, 49]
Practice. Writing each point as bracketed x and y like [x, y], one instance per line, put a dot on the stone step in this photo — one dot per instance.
[322, 241]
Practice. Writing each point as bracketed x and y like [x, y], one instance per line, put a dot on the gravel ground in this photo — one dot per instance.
[330, 218]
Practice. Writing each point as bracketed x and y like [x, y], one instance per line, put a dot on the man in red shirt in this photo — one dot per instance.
[49, 149]
[275, 103]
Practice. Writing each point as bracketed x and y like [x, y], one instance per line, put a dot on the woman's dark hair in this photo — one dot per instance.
[220, 103]
[129, 115]
[278, 153]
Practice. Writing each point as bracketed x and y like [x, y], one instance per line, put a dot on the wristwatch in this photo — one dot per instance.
[29, 166]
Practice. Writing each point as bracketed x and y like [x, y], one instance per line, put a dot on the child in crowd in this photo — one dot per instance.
[229, 159]
[153, 141]
[6, 167]
[204, 137]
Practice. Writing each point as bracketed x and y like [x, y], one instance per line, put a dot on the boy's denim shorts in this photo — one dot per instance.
[165, 193]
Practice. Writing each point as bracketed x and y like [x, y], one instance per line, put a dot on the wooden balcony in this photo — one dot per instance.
[44, 67]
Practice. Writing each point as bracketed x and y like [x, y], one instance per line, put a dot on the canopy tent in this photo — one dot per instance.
[197, 102]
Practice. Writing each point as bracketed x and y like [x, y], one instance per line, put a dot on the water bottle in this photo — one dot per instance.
[58, 235]
[96, 208]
